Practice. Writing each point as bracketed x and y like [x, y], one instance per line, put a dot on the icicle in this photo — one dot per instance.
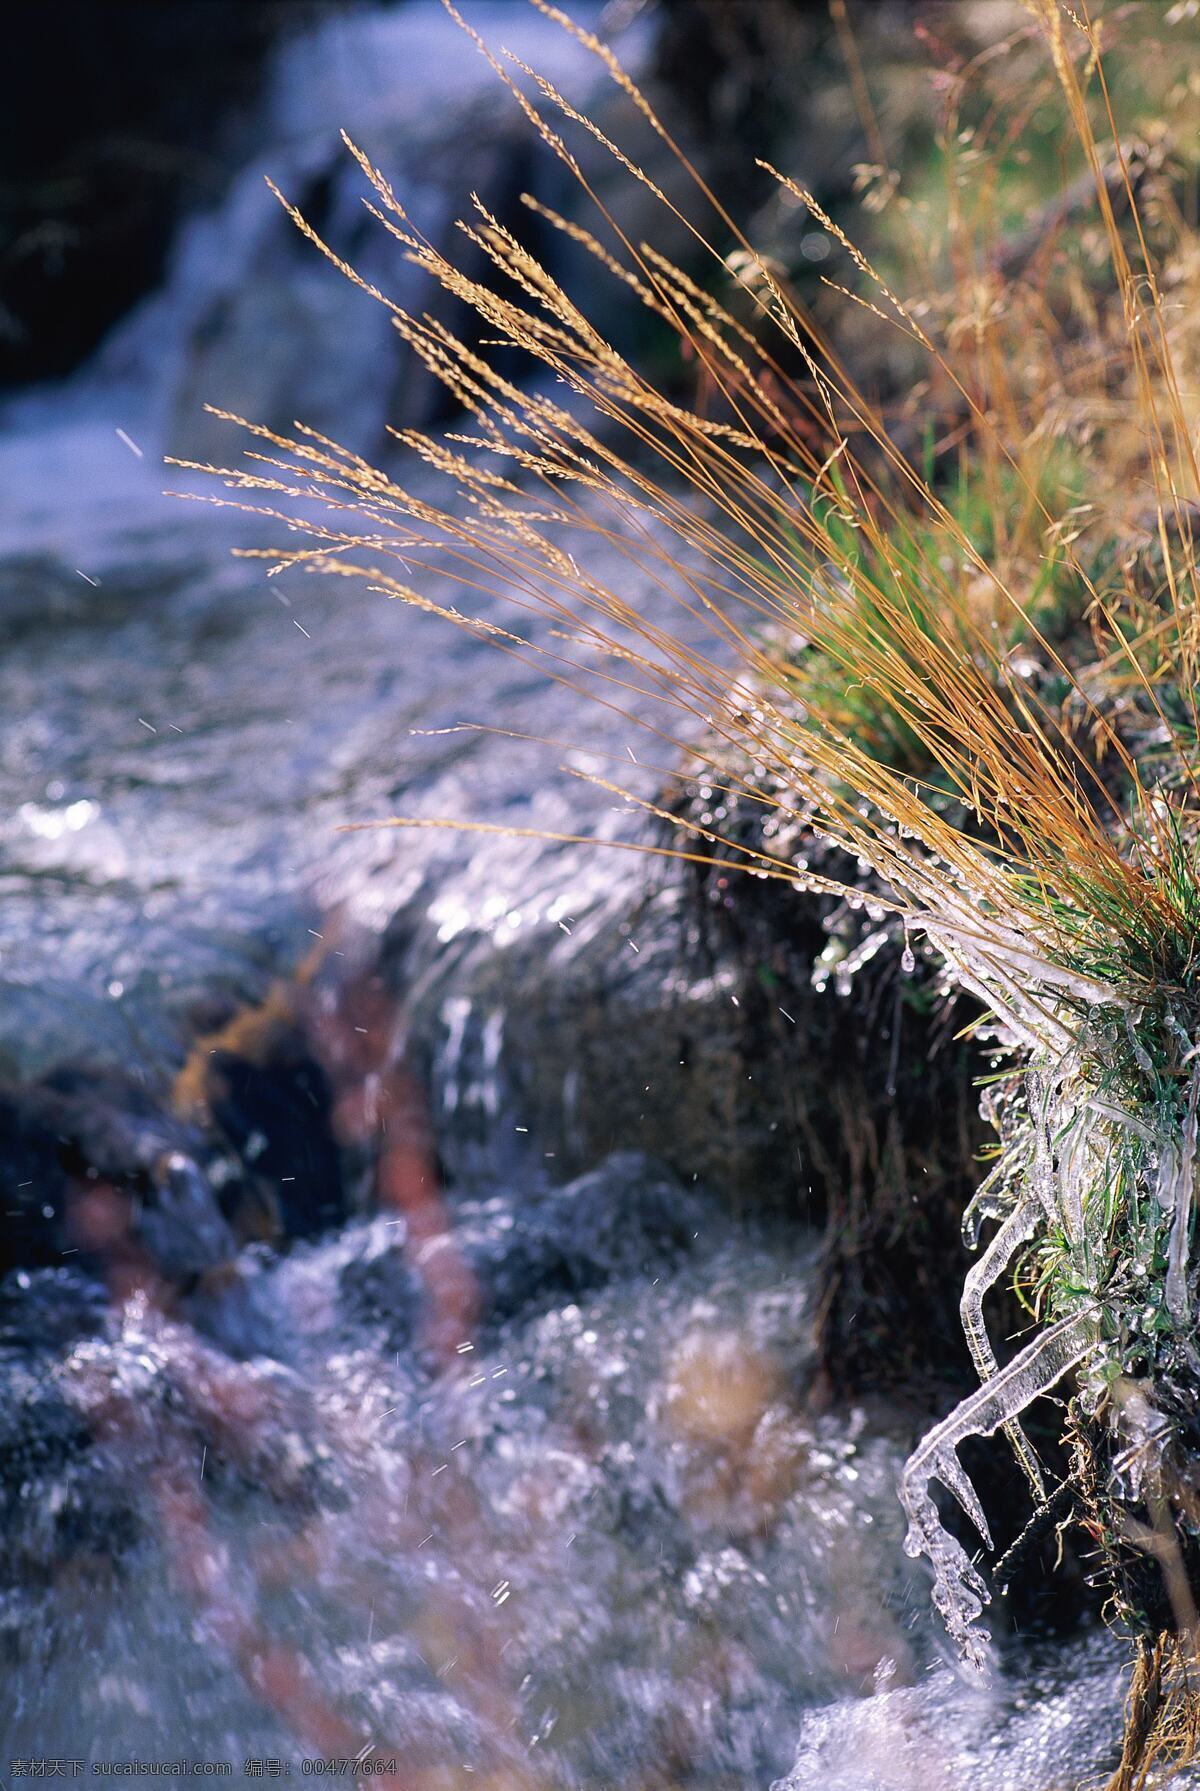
[1044, 1185]
[908, 962]
[1144, 1429]
[854, 961]
[959, 1590]
[1119, 1117]
[1167, 1180]
[1176, 1288]
[990, 1201]
[1139, 1050]
[1016, 1230]
[1072, 1181]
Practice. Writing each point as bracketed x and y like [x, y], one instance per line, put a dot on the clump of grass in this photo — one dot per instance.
[896, 655]
[1007, 531]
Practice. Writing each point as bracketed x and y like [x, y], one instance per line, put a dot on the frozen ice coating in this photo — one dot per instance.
[1062, 1149]
[1179, 1204]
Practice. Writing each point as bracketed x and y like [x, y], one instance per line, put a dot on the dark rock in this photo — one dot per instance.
[95, 1169]
[259, 1084]
[53, 1500]
[44, 1310]
[379, 1287]
[276, 1117]
[183, 1227]
[636, 1030]
[617, 1220]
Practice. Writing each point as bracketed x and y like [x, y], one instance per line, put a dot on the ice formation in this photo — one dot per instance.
[1062, 1148]
[959, 1589]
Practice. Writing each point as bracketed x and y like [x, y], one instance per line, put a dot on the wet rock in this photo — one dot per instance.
[514, 1253]
[183, 1227]
[94, 1168]
[74, 1141]
[34, 1187]
[618, 1220]
[379, 1286]
[276, 1117]
[258, 1082]
[544, 1051]
[54, 1503]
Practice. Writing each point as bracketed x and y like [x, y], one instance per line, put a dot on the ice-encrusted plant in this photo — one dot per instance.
[1097, 1163]
[1057, 879]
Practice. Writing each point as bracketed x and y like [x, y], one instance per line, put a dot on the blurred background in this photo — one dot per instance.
[128, 119]
[414, 1315]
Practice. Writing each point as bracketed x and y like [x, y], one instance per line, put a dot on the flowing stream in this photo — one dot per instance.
[508, 1465]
